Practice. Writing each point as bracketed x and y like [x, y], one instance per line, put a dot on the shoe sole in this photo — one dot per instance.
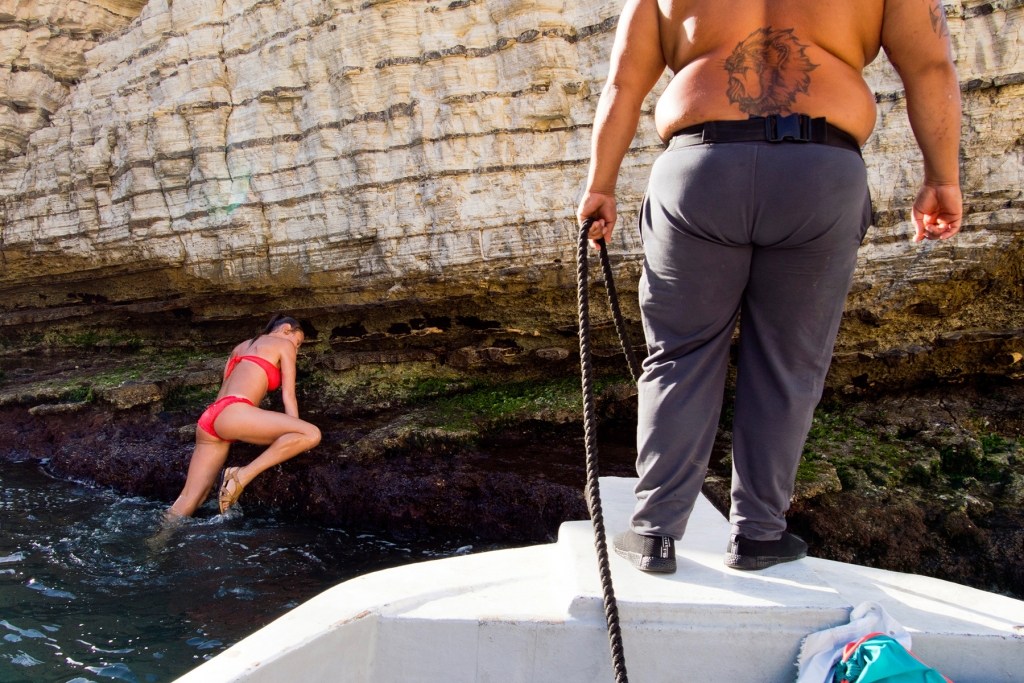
[754, 563]
[660, 565]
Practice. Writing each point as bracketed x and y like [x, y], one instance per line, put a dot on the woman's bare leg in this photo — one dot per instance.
[208, 458]
[284, 436]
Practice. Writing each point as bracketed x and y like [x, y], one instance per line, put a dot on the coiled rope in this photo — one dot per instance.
[593, 493]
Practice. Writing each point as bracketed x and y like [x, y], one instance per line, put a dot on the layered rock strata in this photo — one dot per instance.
[407, 171]
[42, 56]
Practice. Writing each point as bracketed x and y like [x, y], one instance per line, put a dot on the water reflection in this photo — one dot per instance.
[89, 592]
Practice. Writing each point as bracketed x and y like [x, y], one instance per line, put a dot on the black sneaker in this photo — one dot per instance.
[744, 553]
[647, 553]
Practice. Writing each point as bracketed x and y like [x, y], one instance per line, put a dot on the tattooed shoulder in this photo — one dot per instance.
[937, 13]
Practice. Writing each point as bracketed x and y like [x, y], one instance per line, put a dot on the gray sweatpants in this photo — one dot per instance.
[767, 233]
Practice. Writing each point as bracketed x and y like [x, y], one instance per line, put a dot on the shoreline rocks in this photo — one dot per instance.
[927, 480]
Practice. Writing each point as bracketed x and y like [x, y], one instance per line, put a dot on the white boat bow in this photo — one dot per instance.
[536, 615]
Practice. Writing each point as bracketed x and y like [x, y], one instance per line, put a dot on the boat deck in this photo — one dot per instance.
[535, 614]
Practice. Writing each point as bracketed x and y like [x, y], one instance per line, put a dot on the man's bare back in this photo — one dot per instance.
[733, 60]
[759, 57]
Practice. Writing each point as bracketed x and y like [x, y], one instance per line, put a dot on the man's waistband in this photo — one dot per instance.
[774, 128]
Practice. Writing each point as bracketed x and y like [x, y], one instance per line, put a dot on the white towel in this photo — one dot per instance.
[821, 650]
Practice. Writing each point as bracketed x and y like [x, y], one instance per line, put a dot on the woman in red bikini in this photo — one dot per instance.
[254, 367]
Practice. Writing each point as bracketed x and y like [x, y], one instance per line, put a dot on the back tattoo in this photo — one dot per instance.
[767, 70]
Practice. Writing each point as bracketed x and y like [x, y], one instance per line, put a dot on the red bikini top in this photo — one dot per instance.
[273, 373]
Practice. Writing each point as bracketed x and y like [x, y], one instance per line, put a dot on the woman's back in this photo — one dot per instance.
[251, 379]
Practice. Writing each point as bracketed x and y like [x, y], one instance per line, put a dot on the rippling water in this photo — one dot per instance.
[89, 592]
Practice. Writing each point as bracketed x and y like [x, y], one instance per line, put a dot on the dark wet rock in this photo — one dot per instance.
[58, 408]
[552, 354]
[929, 480]
[33, 396]
[132, 395]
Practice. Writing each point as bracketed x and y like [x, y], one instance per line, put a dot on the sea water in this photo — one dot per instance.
[91, 592]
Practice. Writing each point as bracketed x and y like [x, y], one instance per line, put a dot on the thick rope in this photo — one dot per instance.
[593, 493]
[620, 324]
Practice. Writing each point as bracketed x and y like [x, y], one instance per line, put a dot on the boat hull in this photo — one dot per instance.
[536, 614]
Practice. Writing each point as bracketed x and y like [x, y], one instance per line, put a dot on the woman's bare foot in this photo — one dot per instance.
[167, 525]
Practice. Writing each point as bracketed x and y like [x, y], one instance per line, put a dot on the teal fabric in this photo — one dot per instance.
[880, 659]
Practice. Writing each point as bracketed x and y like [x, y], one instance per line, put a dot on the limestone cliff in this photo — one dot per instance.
[407, 170]
[42, 56]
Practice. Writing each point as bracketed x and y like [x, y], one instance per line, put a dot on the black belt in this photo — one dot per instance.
[774, 128]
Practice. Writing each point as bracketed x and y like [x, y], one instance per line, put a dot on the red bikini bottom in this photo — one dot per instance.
[211, 414]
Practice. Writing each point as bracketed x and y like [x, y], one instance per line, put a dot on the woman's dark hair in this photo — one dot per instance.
[277, 321]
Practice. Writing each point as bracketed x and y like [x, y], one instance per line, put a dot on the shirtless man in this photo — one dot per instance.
[755, 211]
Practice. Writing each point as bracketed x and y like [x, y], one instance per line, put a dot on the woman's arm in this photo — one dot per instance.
[288, 356]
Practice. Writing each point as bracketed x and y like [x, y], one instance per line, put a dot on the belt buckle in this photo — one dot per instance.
[795, 127]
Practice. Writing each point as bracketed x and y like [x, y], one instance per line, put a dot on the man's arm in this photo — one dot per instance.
[636, 64]
[916, 39]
